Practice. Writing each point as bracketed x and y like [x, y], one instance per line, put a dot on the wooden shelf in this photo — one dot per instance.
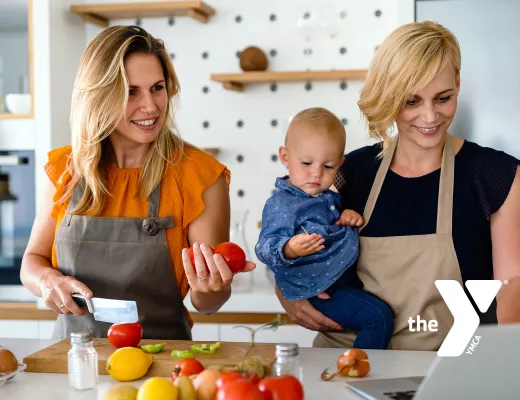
[101, 14]
[236, 82]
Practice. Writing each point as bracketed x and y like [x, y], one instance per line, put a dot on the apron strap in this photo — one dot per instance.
[153, 202]
[76, 197]
[378, 182]
[445, 200]
[447, 178]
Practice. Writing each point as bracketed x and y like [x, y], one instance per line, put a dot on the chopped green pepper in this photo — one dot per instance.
[153, 348]
[205, 348]
[182, 354]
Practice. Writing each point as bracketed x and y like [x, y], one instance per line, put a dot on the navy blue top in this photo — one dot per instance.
[284, 214]
[408, 206]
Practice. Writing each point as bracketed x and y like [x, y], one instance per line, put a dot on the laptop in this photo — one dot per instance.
[492, 371]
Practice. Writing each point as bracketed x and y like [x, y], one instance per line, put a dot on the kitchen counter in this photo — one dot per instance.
[384, 364]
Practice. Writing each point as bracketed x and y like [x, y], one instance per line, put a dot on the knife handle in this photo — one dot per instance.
[82, 301]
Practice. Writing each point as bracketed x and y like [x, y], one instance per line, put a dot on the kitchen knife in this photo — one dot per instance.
[109, 310]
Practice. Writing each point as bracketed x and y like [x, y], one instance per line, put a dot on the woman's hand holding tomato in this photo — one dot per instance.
[125, 335]
[208, 271]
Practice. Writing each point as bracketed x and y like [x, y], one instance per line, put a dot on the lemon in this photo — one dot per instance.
[128, 364]
[121, 392]
[157, 389]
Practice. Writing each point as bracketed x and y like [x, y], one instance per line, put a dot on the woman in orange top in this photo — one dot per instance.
[127, 198]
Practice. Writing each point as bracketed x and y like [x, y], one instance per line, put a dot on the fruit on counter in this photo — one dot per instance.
[125, 335]
[232, 376]
[8, 361]
[253, 365]
[205, 348]
[187, 367]
[153, 348]
[182, 354]
[128, 364]
[157, 389]
[205, 384]
[353, 362]
[240, 390]
[121, 392]
[285, 387]
[233, 254]
[185, 387]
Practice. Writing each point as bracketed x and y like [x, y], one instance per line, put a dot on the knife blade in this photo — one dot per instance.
[109, 310]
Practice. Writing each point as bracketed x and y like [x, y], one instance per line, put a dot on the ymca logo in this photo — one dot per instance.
[466, 320]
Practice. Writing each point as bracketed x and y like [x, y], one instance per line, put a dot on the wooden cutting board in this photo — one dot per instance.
[53, 359]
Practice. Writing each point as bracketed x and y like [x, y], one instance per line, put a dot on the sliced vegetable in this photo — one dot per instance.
[182, 354]
[153, 348]
[205, 348]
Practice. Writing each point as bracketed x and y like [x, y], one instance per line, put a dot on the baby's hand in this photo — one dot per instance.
[350, 218]
[303, 245]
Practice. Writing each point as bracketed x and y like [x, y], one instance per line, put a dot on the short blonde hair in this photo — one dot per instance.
[99, 101]
[322, 120]
[409, 58]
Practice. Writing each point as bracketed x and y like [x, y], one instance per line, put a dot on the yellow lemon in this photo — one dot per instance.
[157, 389]
[121, 392]
[128, 364]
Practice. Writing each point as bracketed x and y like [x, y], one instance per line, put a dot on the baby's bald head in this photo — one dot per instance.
[319, 121]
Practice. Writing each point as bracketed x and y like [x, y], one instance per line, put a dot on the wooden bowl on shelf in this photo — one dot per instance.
[253, 59]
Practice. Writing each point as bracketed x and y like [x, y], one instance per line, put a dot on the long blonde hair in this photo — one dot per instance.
[99, 101]
[409, 58]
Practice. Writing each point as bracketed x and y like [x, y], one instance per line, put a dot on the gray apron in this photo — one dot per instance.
[401, 270]
[122, 258]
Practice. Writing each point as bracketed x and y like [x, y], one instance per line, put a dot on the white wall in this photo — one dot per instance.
[360, 32]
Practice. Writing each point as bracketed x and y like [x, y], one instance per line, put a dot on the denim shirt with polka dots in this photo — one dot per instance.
[287, 213]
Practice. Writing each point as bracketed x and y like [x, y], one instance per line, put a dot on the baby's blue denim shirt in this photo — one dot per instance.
[283, 216]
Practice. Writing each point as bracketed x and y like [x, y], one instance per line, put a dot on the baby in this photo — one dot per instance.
[307, 243]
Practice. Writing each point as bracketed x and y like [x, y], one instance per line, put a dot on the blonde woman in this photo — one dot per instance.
[435, 207]
[127, 198]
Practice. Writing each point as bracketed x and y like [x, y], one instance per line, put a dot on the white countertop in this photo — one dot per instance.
[384, 364]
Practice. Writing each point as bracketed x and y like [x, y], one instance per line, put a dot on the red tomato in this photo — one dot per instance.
[240, 390]
[233, 254]
[233, 376]
[282, 388]
[187, 367]
[192, 256]
[125, 335]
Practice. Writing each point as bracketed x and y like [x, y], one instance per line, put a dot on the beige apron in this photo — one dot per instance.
[402, 270]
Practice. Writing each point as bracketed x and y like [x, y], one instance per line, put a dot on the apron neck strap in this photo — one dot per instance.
[447, 178]
[445, 200]
[76, 197]
[153, 201]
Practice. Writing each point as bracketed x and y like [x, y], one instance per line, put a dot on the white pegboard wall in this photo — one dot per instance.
[250, 126]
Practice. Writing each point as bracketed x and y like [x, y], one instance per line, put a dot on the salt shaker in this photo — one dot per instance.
[83, 361]
[288, 361]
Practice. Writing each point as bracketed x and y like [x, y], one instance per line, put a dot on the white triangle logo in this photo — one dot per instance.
[483, 292]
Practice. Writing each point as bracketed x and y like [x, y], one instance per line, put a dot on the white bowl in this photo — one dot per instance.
[18, 103]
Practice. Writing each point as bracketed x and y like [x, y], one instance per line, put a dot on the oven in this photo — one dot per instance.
[17, 211]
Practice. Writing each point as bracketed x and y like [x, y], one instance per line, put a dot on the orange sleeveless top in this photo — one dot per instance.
[181, 197]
